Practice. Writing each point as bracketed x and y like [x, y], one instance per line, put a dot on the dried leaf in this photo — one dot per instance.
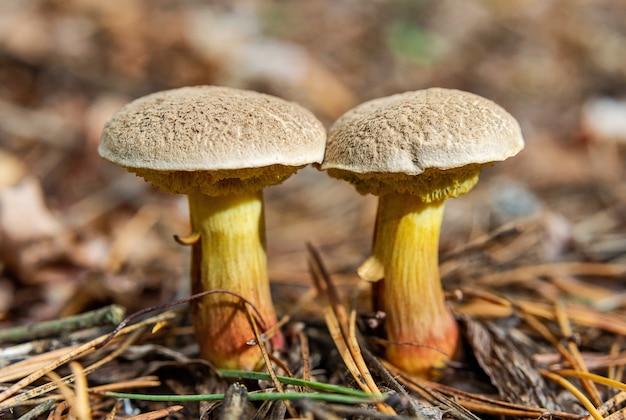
[509, 368]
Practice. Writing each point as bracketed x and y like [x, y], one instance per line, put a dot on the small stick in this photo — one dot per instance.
[618, 415]
[235, 400]
[108, 315]
[36, 412]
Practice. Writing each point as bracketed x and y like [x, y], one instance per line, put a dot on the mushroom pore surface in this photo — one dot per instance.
[218, 182]
[429, 186]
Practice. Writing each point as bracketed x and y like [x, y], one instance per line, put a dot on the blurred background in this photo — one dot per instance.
[77, 232]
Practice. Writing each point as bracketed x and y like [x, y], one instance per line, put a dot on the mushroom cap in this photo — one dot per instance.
[444, 135]
[211, 139]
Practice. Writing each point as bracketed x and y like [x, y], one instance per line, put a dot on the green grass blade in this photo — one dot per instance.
[319, 386]
[254, 396]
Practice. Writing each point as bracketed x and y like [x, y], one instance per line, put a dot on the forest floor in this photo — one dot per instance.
[533, 259]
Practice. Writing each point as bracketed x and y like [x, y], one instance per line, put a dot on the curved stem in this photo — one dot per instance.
[230, 255]
[421, 330]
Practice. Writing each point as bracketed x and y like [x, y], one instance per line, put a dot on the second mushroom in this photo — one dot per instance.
[219, 146]
[415, 150]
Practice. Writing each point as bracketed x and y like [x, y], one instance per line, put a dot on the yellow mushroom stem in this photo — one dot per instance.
[230, 255]
[421, 331]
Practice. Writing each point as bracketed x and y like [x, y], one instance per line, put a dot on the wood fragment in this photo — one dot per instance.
[107, 315]
[510, 369]
[235, 401]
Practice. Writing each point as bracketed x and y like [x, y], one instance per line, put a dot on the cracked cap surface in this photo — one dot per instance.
[382, 144]
[219, 133]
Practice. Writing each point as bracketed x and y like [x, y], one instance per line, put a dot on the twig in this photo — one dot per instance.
[612, 403]
[40, 409]
[235, 400]
[108, 315]
[618, 415]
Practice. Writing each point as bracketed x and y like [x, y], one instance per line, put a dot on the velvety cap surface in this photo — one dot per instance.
[412, 132]
[211, 128]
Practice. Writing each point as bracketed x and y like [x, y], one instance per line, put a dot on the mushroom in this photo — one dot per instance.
[414, 150]
[219, 146]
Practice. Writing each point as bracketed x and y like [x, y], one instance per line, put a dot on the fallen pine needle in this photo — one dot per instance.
[338, 323]
[32, 364]
[158, 414]
[145, 382]
[594, 413]
[81, 406]
[66, 391]
[593, 377]
[50, 386]
[266, 357]
[480, 403]
[547, 270]
[574, 351]
[75, 353]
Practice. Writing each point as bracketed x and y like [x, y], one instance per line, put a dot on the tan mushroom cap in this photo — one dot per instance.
[214, 140]
[444, 135]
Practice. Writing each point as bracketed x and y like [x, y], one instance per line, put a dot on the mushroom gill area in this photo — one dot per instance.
[217, 182]
[429, 186]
